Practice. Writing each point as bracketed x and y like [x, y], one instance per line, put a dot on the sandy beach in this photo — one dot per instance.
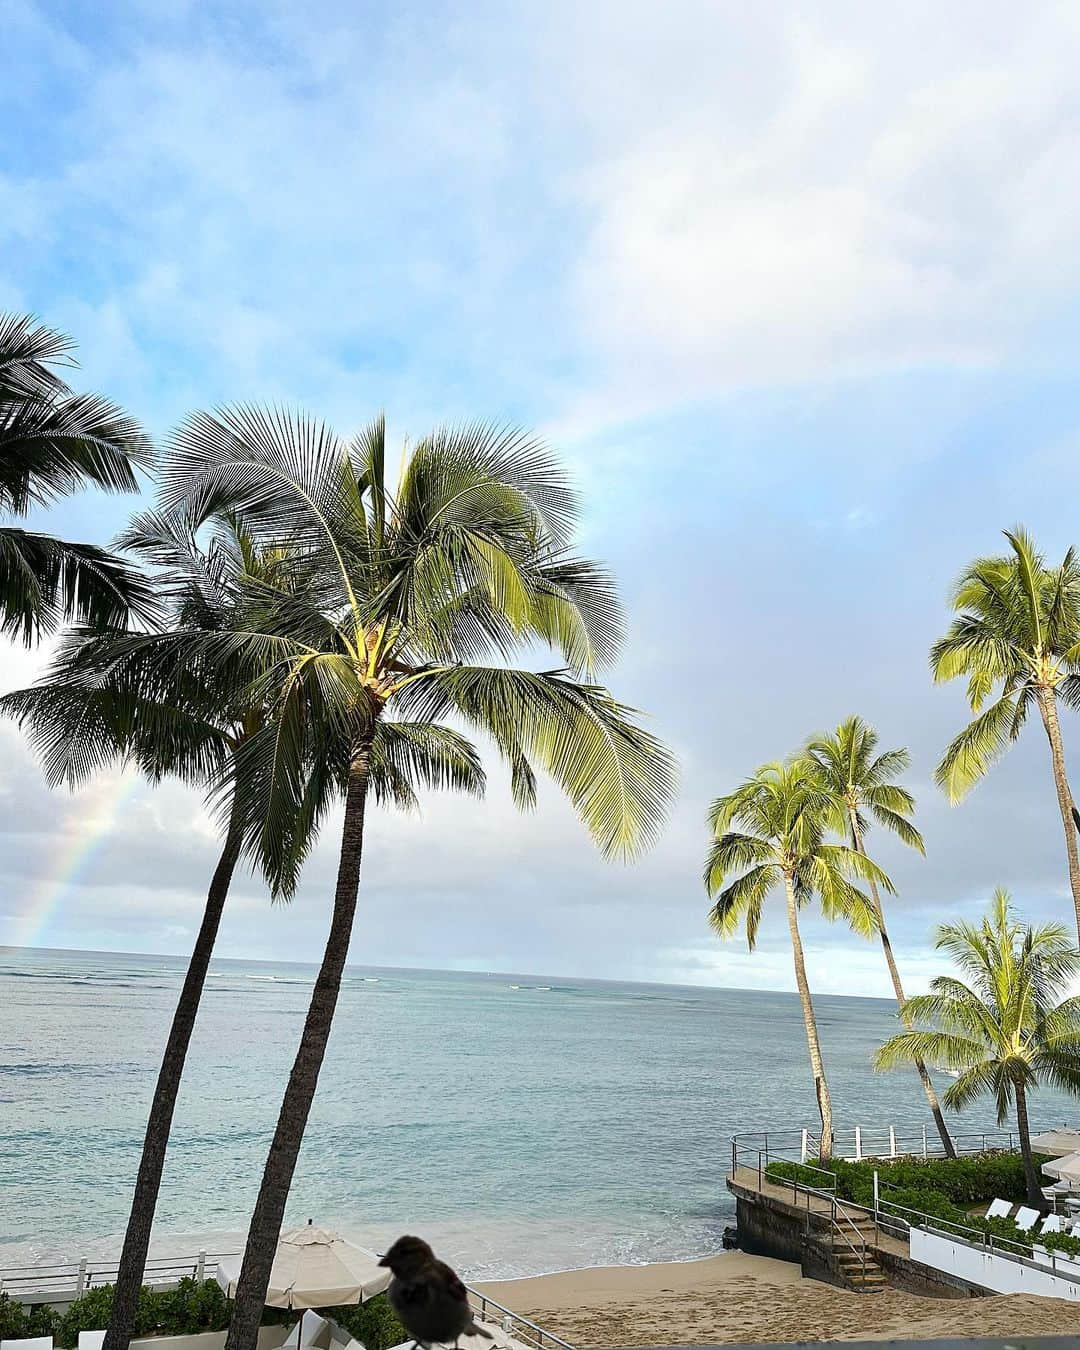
[738, 1298]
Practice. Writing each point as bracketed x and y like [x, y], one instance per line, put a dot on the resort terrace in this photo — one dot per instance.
[60, 1284]
[788, 1207]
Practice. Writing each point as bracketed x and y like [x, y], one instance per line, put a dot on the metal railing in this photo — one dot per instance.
[842, 1221]
[72, 1279]
[812, 1188]
[521, 1328]
[764, 1160]
[1063, 1266]
[858, 1143]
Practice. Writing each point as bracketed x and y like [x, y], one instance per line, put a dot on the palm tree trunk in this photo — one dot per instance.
[1031, 1176]
[821, 1087]
[129, 1276]
[269, 1212]
[1048, 708]
[898, 989]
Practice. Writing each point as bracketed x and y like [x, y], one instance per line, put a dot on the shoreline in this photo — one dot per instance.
[733, 1297]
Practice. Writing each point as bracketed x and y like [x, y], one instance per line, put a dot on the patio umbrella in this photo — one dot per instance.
[1065, 1169]
[315, 1268]
[1057, 1142]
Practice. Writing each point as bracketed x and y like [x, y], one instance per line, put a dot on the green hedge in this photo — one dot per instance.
[939, 1187]
[190, 1308]
[17, 1322]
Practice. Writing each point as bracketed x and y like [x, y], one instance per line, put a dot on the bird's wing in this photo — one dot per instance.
[453, 1284]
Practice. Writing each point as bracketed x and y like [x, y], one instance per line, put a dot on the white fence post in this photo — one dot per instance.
[875, 1193]
[80, 1282]
[200, 1269]
[924, 1141]
[858, 1143]
[805, 1145]
[892, 1141]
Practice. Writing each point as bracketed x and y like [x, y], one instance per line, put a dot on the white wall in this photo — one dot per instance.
[269, 1339]
[982, 1266]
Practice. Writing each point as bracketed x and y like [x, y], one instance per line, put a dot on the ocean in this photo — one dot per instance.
[524, 1125]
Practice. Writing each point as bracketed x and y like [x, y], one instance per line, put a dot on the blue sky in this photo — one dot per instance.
[794, 292]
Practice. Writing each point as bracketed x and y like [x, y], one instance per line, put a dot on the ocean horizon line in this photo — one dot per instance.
[443, 970]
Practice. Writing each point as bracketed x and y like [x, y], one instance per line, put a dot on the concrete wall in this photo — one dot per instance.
[270, 1338]
[983, 1267]
[767, 1230]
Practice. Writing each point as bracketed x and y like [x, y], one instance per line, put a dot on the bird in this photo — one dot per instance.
[428, 1297]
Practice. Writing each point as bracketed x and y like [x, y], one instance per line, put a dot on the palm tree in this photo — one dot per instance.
[861, 784]
[151, 700]
[109, 697]
[1002, 1030]
[1017, 631]
[52, 443]
[784, 813]
[467, 561]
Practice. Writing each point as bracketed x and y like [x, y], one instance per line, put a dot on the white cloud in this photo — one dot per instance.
[892, 194]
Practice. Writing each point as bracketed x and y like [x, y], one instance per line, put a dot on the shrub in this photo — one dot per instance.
[937, 1187]
[184, 1311]
[17, 1322]
[374, 1323]
[192, 1307]
[89, 1313]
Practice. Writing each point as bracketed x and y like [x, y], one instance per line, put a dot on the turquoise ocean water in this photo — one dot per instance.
[524, 1124]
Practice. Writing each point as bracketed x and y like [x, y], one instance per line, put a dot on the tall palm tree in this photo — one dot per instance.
[1002, 1028]
[783, 844]
[109, 697]
[52, 443]
[1017, 633]
[466, 561]
[861, 784]
[152, 700]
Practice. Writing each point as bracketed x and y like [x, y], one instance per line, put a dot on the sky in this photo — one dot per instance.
[793, 289]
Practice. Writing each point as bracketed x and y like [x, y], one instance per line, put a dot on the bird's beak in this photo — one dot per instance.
[382, 1259]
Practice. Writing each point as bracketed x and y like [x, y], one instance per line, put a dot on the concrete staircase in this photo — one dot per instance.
[853, 1256]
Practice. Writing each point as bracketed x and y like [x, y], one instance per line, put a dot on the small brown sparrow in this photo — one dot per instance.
[428, 1297]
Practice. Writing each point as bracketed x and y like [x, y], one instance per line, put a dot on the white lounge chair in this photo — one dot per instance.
[999, 1209]
[28, 1343]
[1025, 1218]
[307, 1332]
[1053, 1223]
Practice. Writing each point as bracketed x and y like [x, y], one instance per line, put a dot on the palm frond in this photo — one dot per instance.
[971, 753]
[619, 777]
[46, 581]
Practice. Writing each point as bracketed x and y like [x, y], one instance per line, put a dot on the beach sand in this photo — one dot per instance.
[738, 1298]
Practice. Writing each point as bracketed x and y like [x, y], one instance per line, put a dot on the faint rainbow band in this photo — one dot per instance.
[77, 851]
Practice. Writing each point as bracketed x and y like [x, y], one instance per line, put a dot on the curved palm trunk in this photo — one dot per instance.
[898, 989]
[821, 1087]
[269, 1212]
[148, 1182]
[1048, 708]
[1031, 1176]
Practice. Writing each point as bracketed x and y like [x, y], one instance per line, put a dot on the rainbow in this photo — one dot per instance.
[87, 828]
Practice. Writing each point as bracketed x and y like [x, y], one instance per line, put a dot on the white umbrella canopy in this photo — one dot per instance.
[315, 1268]
[1065, 1169]
[1057, 1142]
